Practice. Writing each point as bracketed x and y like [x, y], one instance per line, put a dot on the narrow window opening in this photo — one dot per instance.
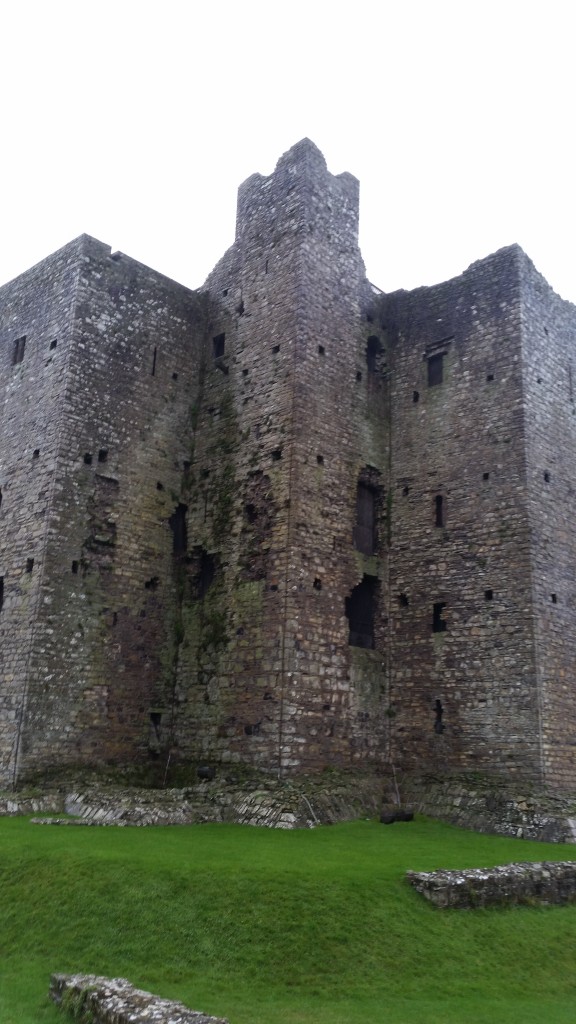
[435, 370]
[225, 292]
[321, 350]
[245, 372]
[75, 568]
[103, 455]
[415, 396]
[403, 600]
[546, 476]
[206, 574]
[365, 528]
[276, 454]
[153, 370]
[489, 377]
[19, 346]
[179, 531]
[488, 595]
[438, 623]
[276, 350]
[317, 584]
[539, 380]
[406, 491]
[251, 513]
[159, 486]
[87, 459]
[29, 564]
[53, 344]
[373, 350]
[360, 611]
[439, 510]
[320, 460]
[358, 375]
[174, 376]
[36, 453]
[152, 583]
[1, 592]
[0, 497]
[553, 598]
[485, 476]
[218, 346]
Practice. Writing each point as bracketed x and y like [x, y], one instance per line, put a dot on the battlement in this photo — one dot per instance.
[300, 196]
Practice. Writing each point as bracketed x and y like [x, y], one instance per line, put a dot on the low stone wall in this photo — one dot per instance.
[488, 804]
[14, 804]
[299, 804]
[116, 1001]
[549, 882]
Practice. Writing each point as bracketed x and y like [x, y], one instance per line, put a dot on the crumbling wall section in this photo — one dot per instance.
[552, 883]
[116, 1001]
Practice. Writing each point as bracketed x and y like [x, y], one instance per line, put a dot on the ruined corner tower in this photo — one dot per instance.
[287, 520]
[287, 426]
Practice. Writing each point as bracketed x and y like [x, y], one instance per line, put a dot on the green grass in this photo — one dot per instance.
[273, 927]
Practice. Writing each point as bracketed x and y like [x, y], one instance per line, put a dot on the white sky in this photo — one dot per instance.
[135, 121]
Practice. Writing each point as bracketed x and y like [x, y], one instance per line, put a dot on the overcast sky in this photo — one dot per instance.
[137, 121]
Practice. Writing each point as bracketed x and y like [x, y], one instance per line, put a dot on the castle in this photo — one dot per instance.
[287, 520]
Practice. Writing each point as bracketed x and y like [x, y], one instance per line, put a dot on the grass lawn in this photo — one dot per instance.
[274, 927]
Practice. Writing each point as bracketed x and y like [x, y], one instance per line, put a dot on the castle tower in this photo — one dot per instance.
[99, 369]
[286, 436]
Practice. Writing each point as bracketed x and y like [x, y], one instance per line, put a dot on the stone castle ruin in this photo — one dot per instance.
[287, 520]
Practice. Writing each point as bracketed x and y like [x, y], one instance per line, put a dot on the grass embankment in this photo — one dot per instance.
[266, 927]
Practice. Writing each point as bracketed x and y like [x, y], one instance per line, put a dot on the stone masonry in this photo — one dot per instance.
[288, 520]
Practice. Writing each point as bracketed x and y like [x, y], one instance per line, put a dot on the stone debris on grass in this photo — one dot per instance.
[543, 883]
[116, 1001]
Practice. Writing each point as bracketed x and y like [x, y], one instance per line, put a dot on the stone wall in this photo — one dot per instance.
[116, 1001]
[99, 408]
[549, 369]
[549, 883]
[459, 622]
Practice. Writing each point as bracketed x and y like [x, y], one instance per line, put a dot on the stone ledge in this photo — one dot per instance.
[116, 1001]
[546, 883]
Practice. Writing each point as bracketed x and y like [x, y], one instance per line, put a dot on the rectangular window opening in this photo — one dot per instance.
[19, 346]
[103, 455]
[439, 510]
[438, 623]
[53, 344]
[1, 592]
[488, 595]
[365, 528]
[153, 370]
[435, 370]
[218, 346]
[29, 564]
[75, 568]
[361, 612]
